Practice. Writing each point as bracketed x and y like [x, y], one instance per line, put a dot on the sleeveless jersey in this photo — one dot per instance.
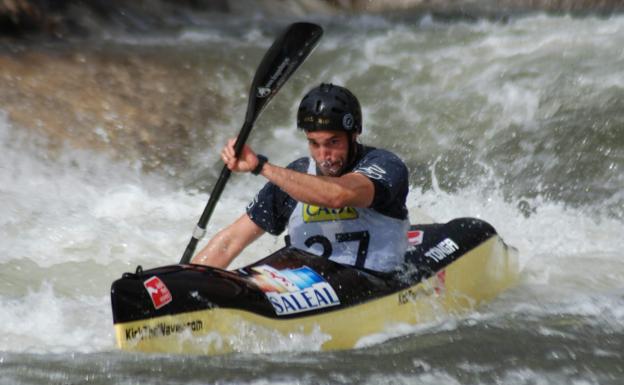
[360, 237]
[373, 238]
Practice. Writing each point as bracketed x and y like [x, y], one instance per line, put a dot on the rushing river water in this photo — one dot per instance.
[518, 123]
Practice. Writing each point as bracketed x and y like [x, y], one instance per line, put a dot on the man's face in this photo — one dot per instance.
[330, 150]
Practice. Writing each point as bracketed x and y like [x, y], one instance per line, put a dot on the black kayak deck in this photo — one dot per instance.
[193, 287]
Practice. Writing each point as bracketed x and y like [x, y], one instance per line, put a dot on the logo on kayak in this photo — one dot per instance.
[293, 291]
[415, 237]
[424, 290]
[442, 250]
[158, 292]
[441, 284]
[313, 213]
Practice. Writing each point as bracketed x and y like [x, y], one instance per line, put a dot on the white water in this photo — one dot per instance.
[73, 223]
[72, 220]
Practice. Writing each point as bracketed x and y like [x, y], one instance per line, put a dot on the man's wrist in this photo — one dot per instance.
[261, 162]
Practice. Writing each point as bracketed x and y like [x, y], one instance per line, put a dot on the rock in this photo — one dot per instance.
[18, 15]
[59, 18]
[132, 106]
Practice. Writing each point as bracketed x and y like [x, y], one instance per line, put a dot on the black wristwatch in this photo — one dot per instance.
[261, 161]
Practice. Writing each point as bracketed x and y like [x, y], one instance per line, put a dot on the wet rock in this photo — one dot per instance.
[18, 15]
[60, 18]
[132, 106]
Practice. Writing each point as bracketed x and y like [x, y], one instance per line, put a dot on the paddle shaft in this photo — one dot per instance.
[282, 59]
[214, 197]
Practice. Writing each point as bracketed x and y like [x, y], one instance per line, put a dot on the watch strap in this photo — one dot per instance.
[261, 161]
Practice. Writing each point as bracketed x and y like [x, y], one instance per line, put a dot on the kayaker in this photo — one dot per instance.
[345, 202]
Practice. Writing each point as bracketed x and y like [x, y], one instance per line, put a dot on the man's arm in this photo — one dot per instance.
[228, 243]
[353, 189]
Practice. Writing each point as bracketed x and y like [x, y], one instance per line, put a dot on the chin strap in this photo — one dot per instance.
[352, 152]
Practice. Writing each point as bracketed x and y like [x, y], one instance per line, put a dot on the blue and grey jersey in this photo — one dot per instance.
[373, 237]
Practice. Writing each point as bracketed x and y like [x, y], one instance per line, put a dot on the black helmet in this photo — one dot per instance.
[330, 107]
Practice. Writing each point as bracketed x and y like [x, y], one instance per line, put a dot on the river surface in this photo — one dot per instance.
[519, 123]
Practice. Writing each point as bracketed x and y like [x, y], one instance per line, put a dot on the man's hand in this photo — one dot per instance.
[245, 163]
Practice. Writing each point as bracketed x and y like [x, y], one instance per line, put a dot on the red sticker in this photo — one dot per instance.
[415, 237]
[441, 284]
[158, 291]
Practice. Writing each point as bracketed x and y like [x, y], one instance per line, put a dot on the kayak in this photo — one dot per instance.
[449, 268]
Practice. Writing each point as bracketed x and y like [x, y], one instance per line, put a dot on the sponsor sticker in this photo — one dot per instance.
[415, 237]
[413, 294]
[441, 282]
[162, 329]
[347, 121]
[313, 213]
[442, 250]
[263, 92]
[159, 293]
[425, 290]
[293, 291]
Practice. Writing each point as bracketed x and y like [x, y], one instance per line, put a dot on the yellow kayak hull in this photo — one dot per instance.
[475, 278]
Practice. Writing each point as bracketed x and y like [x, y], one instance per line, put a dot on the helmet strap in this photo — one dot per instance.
[352, 152]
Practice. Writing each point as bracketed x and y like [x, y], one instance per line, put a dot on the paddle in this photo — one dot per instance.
[286, 54]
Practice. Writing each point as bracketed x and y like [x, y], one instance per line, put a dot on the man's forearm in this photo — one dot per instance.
[228, 243]
[219, 251]
[333, 192]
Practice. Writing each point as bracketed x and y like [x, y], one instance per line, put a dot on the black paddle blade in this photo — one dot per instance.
[281, 60]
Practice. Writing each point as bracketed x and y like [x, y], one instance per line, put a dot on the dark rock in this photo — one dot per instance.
[77, 17]
[133, 106]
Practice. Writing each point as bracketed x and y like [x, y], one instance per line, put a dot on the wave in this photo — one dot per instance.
[504, 138]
